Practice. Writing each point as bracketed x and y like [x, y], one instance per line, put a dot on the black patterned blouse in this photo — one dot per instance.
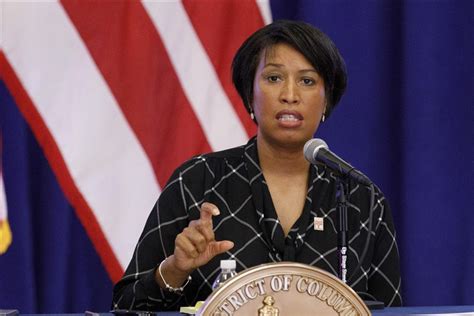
[232, 180]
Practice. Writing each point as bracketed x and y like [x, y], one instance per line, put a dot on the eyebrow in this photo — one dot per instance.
[281, 66]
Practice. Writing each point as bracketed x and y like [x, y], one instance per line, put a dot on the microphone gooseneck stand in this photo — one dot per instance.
[341, 193]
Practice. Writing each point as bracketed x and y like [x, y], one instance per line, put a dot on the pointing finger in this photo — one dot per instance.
[208, 210]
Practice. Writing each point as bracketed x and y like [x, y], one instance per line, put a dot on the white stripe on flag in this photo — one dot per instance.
[103, 155]
[197, 76]
[3, 199]
[5, 231]
[265, 11]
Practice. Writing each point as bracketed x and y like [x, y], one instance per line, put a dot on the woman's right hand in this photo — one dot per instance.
[194, 247]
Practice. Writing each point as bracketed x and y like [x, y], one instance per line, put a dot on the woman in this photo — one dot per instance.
[256, 203]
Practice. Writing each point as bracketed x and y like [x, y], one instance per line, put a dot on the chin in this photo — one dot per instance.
[293, 141]
[286, 138]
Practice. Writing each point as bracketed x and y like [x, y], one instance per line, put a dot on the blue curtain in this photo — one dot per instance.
[406, 120]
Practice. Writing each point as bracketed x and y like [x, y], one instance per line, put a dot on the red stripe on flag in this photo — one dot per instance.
[55, 159]
[135, 64]
[222, 27]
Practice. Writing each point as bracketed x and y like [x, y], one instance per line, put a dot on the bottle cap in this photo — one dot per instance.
[227, 264]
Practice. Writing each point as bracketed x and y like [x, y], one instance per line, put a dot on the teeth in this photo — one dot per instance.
[288, 117]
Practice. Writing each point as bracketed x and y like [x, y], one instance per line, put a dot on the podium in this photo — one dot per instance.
[284, 288]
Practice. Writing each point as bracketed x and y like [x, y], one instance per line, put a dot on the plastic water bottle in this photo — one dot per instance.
[227, 272]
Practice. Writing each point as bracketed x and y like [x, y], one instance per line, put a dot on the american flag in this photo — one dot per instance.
[119, 93]
[5, 232]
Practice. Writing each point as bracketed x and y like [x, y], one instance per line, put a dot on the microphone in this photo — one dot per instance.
[317, 150]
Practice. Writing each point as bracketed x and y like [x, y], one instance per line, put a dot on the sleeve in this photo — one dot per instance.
[138, 290]
[384, 277]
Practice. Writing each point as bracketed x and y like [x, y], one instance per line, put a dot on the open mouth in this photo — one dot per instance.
[289, 116]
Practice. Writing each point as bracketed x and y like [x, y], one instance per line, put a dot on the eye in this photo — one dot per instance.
[308, 81]
[273, 78]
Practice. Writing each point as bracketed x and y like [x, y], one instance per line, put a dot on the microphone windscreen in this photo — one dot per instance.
[312, 147]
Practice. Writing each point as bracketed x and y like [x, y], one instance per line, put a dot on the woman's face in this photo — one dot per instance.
[288, 97]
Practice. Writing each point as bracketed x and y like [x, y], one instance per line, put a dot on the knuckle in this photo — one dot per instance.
[188, 230]
[178, 238]
[193, 253]
[200, 239]
[193, 223]
[208, 233]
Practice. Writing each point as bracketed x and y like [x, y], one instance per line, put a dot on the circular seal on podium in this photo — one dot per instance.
[285, 288]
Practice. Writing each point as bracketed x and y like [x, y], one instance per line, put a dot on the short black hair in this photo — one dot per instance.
[311, 42]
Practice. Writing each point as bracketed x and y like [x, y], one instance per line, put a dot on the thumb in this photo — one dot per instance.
[218, 247]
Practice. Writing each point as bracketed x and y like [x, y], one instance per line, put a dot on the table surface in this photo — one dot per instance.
[426, 310]
[392, 311]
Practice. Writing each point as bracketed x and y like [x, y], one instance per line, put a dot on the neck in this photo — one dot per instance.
[281, 159]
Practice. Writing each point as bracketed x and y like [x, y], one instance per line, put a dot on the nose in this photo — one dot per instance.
[289, 93]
